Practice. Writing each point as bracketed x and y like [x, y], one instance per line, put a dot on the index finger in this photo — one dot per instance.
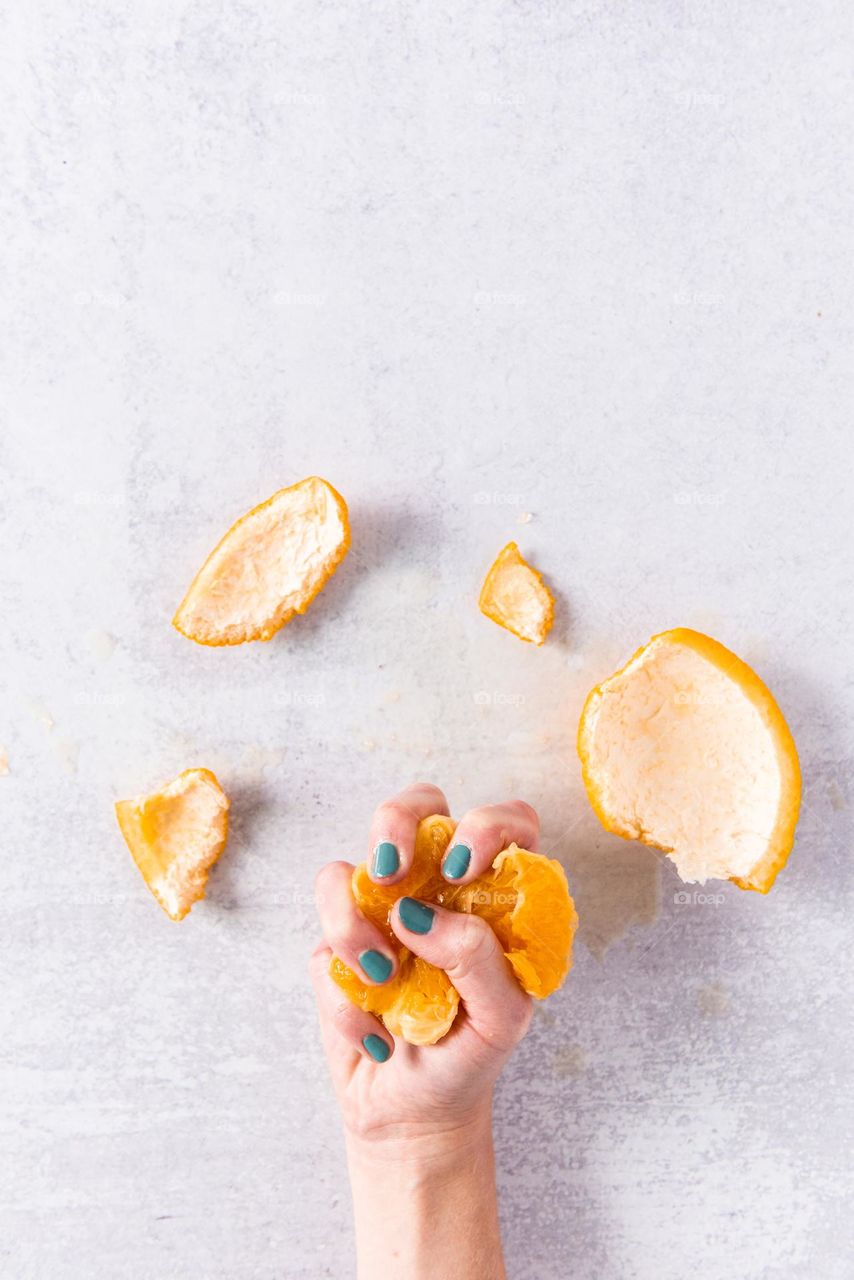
[393, 828]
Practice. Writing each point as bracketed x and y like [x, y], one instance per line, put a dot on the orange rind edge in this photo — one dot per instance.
[512, 548]
[346, 543]
[782, 837]
[123, 808]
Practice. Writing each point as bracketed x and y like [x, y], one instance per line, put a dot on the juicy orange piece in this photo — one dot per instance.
[268, 567]
[686, 750]
[176, 835]
[419, 1004]
[524, 897]
[515, 596]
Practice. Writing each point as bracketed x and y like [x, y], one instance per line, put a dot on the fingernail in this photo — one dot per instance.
[376, 1047]
[456, 864]
[415, 916]
[386, 859]
[376, 965]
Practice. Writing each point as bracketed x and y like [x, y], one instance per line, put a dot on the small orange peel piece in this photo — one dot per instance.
[515, 596]
[268, 567]
[176, 835]
[685, 749]
[524, 897]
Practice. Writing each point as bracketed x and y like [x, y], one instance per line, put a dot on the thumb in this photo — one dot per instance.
[469, 952]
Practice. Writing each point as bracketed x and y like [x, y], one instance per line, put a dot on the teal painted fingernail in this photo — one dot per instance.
[376, 965]
[457, 862]
[386, 859]
[376, 1047]
[415, 916]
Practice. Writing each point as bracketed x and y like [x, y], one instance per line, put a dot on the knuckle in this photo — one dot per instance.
[426, 789]
[475, 946]
[521, 1019]
[328, 875]
[527, 811]
[480, 824]
[386, 813]
[341, 1012]
[318, 962]
[482, 816]
[515, 1020]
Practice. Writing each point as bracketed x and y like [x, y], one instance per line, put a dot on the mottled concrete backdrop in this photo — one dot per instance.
[574, 273]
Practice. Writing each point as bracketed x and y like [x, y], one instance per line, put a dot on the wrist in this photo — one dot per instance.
[422, 1145]
[424, 1201]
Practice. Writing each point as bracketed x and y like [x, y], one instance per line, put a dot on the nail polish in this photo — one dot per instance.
[415, 916]
[377, 1048]
[376, 965]
[456, 862]
[386, 859]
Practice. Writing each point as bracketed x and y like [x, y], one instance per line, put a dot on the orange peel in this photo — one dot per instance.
[268, 567]
[524, 897]
[515, 596]
[685, 749]
[175, 835]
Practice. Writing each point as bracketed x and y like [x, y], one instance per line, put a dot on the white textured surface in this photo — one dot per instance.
[586, 260]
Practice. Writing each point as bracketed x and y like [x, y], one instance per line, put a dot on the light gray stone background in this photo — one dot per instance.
[585, 262]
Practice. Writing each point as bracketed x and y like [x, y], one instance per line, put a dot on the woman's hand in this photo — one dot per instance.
[421, 1117]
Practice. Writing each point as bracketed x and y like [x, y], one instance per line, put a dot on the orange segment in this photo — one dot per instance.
[420, 1004]
[524, 897]
[515, 596]
[176, 835]
[269, 566]
[426, 1005]
[685, 749]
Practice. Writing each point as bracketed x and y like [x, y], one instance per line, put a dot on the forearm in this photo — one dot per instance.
[426, 1206]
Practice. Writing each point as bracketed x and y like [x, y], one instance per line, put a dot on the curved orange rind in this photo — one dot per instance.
[268, 567]
[685, 749]
[175, 835]
[524, 897]
[515, 596]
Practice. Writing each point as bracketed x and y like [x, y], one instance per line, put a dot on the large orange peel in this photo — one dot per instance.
[685, 749]
[515, 596]
[176, 835]
[268, 567]
[524, 897]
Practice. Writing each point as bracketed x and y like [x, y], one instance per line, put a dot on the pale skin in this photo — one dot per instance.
[418, 1125]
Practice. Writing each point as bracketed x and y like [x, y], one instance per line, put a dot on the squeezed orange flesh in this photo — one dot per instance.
[524, 897]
